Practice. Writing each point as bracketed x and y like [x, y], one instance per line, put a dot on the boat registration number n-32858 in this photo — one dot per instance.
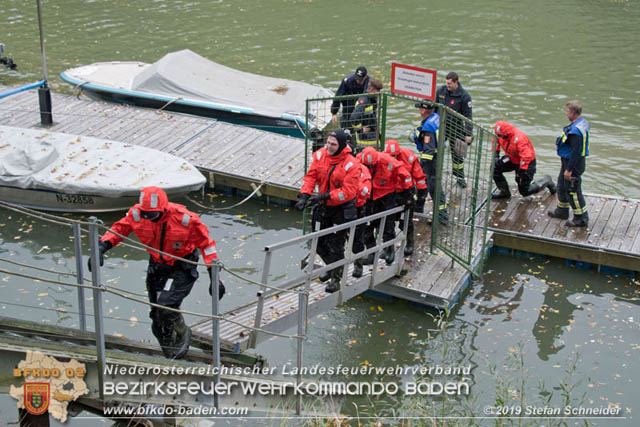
[75, 199]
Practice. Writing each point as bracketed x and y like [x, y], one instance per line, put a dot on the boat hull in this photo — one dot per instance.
[51, 200]
[270, 124]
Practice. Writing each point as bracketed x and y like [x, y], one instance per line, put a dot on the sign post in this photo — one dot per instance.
[413, 81]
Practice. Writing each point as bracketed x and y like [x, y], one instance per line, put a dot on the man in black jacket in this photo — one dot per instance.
[353, 84]
[454, 96]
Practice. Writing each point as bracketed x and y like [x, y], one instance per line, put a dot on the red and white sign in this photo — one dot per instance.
[413, 81]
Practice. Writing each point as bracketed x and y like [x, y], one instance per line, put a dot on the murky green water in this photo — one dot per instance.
[521, 61]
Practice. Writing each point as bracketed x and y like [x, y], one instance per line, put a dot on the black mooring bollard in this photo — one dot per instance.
[44, 96]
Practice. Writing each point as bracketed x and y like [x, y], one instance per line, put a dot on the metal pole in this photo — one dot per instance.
[79, 276]
[253, 339]
[302, 322]
[215, 326]
[44, 93]
[97, 301]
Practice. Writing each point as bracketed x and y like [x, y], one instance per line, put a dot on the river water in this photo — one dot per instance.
[520, 61]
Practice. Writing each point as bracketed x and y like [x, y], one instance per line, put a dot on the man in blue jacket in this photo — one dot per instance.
[426, 139]
[353, 84]
[573, 148]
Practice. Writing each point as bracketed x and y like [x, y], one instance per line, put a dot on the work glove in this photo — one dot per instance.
[221, 288]
[413, 135]
[404, 198]
[319, 198]
[302, 202]
[422, 198]
[103, 247]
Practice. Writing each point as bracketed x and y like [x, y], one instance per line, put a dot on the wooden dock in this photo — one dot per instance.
[611, 239]
[237, 157]
[230, 156]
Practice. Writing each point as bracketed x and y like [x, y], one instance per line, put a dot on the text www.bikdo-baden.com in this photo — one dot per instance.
[172, 411]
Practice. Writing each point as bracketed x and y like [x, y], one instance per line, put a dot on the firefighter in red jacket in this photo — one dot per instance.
[520, 157]
[388, 177]
[336, 174]
[173, 229]
[412, 163]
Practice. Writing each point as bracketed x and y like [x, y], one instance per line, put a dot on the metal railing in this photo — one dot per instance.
[463, 176]
[266, 290]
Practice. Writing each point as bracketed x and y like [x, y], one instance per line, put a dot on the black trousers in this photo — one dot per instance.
[523, 177]
[358, 239]
[331, 246]
[429, 169]
[570, 192]
[168, 286]
[375, 206]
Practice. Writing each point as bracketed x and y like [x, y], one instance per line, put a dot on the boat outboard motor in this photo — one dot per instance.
[317, 139]
[7, 62]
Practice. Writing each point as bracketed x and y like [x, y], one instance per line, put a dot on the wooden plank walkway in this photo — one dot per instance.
[228, 155]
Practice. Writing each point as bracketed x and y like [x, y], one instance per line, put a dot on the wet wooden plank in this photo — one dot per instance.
[602, 220]
[620, 233]
[632, 234]
[610, 227]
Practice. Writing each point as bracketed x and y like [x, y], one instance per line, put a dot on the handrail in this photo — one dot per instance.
[22, 88]
[330, 230]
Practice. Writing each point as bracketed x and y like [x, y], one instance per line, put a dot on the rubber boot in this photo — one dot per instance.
[408, 249]
[164, 339]
[325, 276]
[183, 338]
[502, 191]
[369, 259]
[550, 184]
[334, 283]
[358, 270]
[579, 220]
[462, 183]
[541, 184]
[389, 254]
[560, 213]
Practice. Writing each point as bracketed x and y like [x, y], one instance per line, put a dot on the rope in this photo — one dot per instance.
[175, 310]
[137, 245]
[159, 110]
[72, 312]
[78, 89]
[262, 183]
[39, 268]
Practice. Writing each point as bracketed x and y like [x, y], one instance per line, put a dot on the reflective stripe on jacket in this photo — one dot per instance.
[184, 232]
[338, 175]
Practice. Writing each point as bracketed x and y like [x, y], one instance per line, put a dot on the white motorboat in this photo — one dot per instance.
[62, 172]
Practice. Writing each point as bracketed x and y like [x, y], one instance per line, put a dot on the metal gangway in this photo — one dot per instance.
[274, 312]
[98, 349]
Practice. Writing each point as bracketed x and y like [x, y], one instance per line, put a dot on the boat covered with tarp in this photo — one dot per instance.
[63, 172]
[186, 82]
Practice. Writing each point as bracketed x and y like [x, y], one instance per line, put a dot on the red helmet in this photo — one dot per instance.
[369, 156]
[391, 147]
[153, 199]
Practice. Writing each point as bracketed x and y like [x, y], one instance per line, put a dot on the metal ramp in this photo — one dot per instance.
[278, 309]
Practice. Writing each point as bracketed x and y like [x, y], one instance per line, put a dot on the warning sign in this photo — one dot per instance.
[413, 81]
